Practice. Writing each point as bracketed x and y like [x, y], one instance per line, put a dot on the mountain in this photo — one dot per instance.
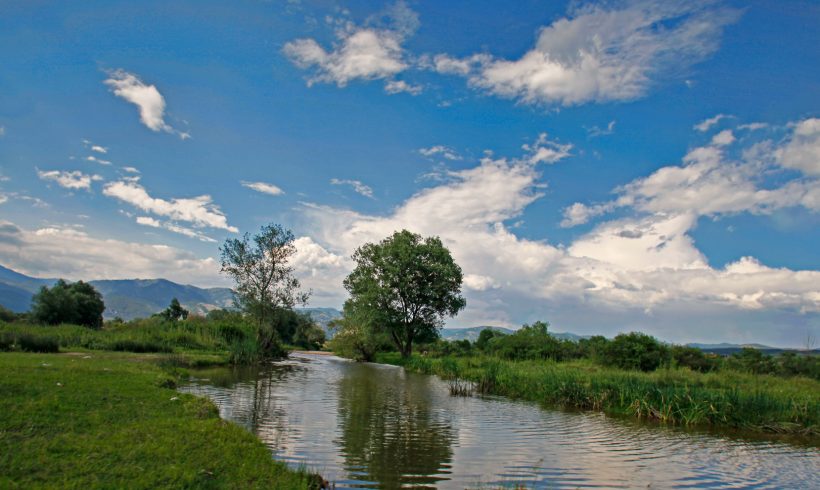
[472, 333]
[322, 316]
[126, 298]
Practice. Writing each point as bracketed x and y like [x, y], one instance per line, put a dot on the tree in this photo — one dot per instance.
[77, 303]
[405, 286]
[174, 312]
[264, 280]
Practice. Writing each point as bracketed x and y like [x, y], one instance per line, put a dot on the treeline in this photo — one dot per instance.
[631, 351]
[69, 315]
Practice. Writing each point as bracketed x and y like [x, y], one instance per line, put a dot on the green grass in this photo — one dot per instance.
[111, 420]
[149, 335]
[758, 403]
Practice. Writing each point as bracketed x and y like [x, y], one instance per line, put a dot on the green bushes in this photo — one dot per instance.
[635, 351]
[77, 303]
[17, 341]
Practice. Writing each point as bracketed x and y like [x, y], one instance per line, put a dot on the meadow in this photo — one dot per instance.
[113, 420]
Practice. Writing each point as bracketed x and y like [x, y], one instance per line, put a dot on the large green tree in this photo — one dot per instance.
[405, 286]
[77, 303]
[264, 280]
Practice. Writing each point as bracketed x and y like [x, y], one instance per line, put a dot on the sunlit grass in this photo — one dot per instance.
[675, 396]
[110, 420]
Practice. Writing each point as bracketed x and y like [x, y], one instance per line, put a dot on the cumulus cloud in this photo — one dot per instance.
[147, 98]
[802, 152]
[357, 186]
[708, 183]
[366, 52]
[442, 150]
[264, 188]
[600, 53]
[69, 179]
[92, 158]
[73, 254]
[99, 149]
[199, 211]
[642, 271]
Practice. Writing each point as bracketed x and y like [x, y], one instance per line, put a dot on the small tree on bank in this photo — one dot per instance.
[77, 303]
[264, 280]
[405, 286]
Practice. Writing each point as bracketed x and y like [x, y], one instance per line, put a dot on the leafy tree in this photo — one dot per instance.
[485, 336]
[174, 312]
[635, 351]
[77, 303]
[264, 280]
[405, 285]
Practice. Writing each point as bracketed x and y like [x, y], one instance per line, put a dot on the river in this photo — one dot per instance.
[377, 426]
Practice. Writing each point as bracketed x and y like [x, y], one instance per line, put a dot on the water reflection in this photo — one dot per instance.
[366, 425]
[390, 431]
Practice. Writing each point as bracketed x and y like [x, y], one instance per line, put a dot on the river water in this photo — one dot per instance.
[377, 426]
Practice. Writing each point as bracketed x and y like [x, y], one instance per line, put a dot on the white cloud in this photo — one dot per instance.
[442, 150]
[131, 170]
[393, 87]
[146, 97]
[154, 223]
[643, 272]
[366, 53]
[710, 184]
[99, 149]
[2, 131]
[803, 149]
[753, 126]
[69, 179]
[723, 138]
[706, 124]
[73, 254]
[600, 54]
[264, 188]
[357, 186]
[199, 211]
[92, 158]
[546, 151]
[595, 131]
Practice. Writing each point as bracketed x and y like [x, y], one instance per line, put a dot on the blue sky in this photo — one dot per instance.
[603, 166]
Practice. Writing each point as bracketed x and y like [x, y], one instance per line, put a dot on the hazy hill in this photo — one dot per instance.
[472, 333]
[127, 298]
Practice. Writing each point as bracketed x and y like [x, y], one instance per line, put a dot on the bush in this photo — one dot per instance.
[635, 351]
[139, 346]
[35, 343]
[77, 303]
[693, 358]
[753, 361]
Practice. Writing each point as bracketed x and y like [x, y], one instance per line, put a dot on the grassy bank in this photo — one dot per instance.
[112, 420]
[675, 396]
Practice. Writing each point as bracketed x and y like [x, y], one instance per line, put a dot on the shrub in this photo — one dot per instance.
[693, 358]
[77, 303]
[635, 351]
[139, 346]
[38, 343]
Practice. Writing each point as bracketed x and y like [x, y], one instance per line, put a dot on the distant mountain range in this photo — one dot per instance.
[138, 298]
[472, 333]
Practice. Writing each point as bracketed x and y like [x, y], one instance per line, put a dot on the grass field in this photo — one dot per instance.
[113, 420]
[758, 403]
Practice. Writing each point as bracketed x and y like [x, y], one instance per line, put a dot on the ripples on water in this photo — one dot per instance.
[375, 426]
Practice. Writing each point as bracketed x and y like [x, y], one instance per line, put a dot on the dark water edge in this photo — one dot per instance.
[377, 426]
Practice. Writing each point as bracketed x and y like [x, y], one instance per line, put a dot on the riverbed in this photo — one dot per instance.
[376, 426]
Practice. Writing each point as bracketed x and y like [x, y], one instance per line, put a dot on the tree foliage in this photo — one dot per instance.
[265, 283]
[174, 312]
[405, 286]
[77, 303]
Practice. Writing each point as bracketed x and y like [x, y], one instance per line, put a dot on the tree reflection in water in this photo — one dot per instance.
[388, 422]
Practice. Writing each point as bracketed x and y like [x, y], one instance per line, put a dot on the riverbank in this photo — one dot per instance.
[757, 403]
[113, 420]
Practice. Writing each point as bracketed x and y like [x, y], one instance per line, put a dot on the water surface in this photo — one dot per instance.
[377, 426]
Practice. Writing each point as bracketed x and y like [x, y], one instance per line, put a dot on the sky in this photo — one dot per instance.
[604, 166]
